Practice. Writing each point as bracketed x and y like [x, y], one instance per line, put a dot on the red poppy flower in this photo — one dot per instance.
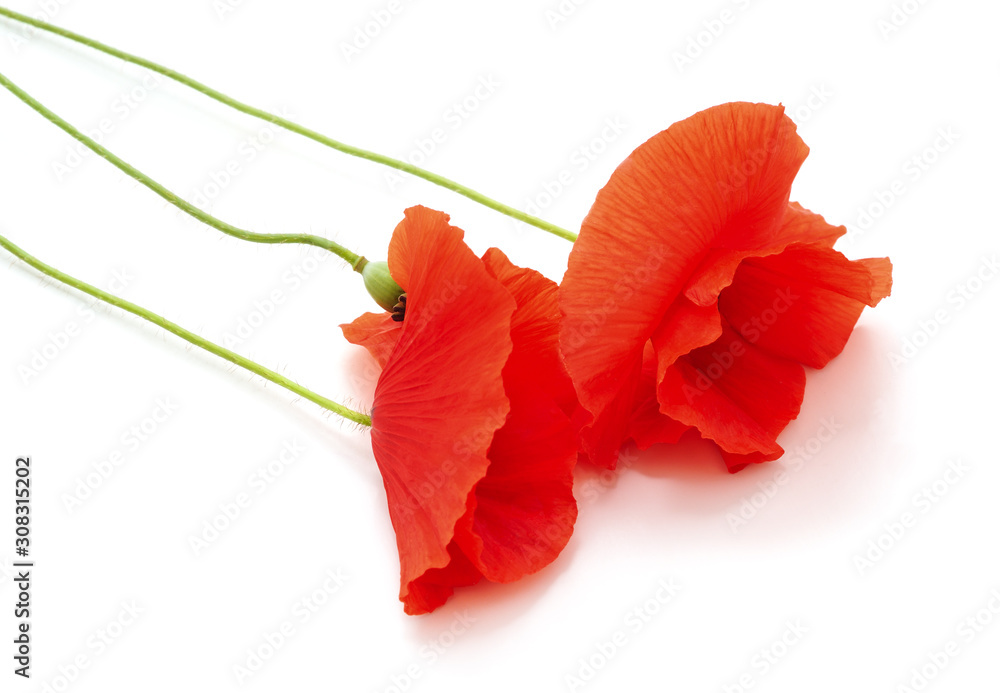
[693, 255]
[471, 417]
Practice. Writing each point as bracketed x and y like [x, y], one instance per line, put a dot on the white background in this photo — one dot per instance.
[868, 100]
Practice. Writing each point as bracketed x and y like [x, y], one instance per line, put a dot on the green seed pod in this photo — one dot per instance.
[381, 285]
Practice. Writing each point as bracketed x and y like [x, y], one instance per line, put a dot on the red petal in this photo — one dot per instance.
[649, 425]
[736, 463]
[524, 507]
[602, 438]
[534, 328]
[799, 225]
[676, 216]
[803, 304]
[440, 398]
[686, 326]
[400, 256]
[735, 394]
[434, 586]
[376, 332]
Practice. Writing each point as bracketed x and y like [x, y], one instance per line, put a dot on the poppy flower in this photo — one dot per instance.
[697, 291]
[471, 420]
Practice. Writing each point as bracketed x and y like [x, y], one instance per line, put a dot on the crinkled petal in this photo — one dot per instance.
[677, 216]
[686, 326]
[799, 225]
[803, 303]
[524, 507]
[735, 394]
[648, 425]
[602, 438]
[376, 332]
[434, 586]
[440, 397]
[534, 328]
[736, 462]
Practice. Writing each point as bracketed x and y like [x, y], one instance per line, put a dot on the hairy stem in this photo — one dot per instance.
[295, 127]
[353, 259]
[186, 335]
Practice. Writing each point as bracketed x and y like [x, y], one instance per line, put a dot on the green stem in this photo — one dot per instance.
[294, 127]
[353, 259]
[191, 337]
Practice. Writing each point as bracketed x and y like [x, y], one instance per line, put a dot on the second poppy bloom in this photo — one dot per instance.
[696, 290]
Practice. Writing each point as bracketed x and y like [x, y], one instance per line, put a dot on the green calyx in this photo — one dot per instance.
[380, 284]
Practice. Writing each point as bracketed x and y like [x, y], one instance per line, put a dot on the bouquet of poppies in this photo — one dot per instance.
[696, 293]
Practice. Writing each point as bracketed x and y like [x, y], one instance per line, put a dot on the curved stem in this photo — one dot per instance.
[353, 259]
[187, 335]
[294, 127]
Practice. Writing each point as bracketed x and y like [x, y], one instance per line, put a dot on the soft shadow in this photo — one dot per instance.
[826, 482]
[492, 604]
